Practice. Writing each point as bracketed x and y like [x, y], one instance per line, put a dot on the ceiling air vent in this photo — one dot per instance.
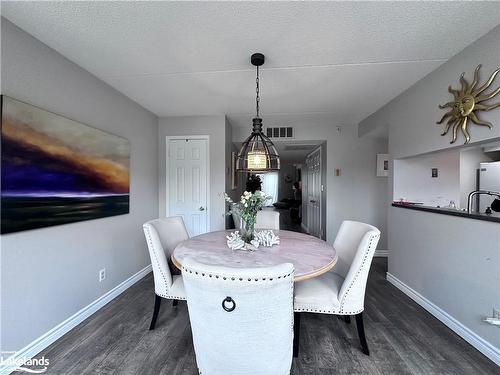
[281, 132]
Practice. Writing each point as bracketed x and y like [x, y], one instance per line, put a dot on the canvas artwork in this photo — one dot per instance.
[57, 171]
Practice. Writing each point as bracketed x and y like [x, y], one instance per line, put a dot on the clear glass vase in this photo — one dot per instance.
[247, 231]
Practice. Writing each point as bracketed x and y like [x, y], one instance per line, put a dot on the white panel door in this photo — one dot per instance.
[187, 166]
[313, 163]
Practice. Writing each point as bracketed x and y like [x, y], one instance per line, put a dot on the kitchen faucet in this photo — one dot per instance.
[478, 192]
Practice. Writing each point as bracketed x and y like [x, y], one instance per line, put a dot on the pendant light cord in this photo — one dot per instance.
[257, 99]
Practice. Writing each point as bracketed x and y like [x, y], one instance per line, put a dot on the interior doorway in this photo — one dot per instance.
[188, 181]
[313, 193]
[299, 181]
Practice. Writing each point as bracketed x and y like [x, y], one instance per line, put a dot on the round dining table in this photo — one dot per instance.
[310, 256]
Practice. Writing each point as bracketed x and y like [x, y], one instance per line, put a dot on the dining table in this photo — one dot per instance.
[310, 255]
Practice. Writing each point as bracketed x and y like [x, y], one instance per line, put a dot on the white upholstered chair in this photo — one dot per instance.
[342, 290]
[162, 236]
[241, 319]
[267, 219]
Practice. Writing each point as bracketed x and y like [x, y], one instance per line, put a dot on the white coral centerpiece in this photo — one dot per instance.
[234, 241]
[265, 238]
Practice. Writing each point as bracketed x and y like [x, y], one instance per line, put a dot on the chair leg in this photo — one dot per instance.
[175, 302]
[296, 334]
[361, 333]
[155, 312]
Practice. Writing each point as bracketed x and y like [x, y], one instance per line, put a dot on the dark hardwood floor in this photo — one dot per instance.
[403, 339]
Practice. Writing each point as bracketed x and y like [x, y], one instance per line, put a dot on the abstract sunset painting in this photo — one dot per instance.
[57, 171]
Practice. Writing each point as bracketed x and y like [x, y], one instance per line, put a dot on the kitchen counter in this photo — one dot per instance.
[495, 217]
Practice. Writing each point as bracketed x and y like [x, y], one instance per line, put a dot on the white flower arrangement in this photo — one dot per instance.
[249, 204]
[247, 208]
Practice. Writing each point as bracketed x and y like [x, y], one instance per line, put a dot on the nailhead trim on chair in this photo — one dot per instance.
[249, 279]
[170, 297]
[292, 281]
[341, 311]
[332, 312]
[357, 274]
[234, 278]
[150, 244]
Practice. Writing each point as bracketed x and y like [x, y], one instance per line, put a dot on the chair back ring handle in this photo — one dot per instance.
[228, 304]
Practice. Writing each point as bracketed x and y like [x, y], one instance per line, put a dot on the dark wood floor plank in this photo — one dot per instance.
[80, 333]
[403, 339]
[95, 334]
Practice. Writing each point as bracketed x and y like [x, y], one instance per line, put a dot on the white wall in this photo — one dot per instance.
[357, 194]
[49, 274]
[215, 127]
[414, 182]
[412, 116]
[454, 263]
[450, 261]
[456, 177]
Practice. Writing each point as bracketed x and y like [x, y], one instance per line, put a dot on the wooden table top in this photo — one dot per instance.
[310, 256]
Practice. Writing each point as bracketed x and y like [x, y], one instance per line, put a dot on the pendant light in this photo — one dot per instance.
[258, 153]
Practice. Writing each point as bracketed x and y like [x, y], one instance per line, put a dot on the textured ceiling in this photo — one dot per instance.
[177, 58]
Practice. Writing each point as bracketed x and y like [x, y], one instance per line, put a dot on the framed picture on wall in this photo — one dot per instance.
[234, 172]
[382, 165]
[58, 171]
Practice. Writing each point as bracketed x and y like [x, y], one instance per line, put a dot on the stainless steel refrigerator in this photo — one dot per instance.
[489, 179]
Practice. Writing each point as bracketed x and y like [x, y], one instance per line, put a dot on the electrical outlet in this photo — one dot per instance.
[102, 274]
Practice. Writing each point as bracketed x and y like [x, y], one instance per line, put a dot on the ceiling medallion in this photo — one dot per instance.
[466, 102]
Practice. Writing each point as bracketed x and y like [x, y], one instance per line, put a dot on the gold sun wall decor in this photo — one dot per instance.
[466, 102]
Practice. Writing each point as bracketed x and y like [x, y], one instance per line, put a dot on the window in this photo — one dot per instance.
[270, 186]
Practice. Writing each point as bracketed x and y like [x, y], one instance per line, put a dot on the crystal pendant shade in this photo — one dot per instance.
[258, 153]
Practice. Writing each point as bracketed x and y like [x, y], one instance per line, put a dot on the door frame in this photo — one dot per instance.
[319, 150]
[169, 138]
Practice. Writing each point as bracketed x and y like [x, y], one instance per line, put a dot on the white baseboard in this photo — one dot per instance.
[471, 337]
[35, 347]
[381, 253]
